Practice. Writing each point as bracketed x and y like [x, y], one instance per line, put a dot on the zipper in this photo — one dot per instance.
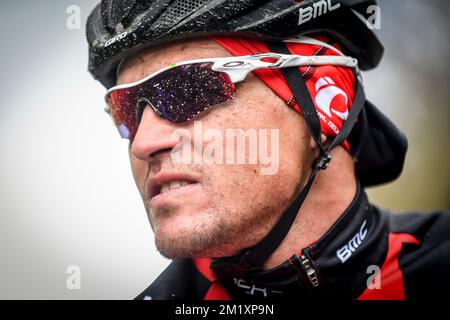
[309, 272]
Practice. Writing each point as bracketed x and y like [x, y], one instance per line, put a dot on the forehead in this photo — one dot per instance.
[151, 60]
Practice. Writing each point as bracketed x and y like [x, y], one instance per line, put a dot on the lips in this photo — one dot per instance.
[163, 183]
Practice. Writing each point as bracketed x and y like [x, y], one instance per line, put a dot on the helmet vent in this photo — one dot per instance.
[178, 10]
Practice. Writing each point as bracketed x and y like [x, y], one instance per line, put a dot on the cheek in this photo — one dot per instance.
[254, 110]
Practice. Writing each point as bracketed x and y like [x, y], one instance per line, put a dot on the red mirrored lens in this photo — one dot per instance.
[122, 106]
[177, 94]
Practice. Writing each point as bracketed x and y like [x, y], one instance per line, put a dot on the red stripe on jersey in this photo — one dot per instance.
[391, 277]
[215, 291]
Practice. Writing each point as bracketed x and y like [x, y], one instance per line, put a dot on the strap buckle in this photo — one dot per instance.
[323, 162]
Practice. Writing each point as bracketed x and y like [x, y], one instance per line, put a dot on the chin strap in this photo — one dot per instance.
[252, 259]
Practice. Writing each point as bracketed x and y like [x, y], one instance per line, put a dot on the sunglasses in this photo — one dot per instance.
[183, 90]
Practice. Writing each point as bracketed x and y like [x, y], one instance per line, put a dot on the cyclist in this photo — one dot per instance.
[301, 225]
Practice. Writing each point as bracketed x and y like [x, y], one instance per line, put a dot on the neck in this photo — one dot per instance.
[331, 193]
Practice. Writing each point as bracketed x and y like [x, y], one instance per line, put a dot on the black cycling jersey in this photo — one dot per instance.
[369, 253]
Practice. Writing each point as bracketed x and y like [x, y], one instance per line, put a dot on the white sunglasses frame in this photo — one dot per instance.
[238, 67]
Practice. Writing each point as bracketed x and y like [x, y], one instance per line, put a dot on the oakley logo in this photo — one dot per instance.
[116, 38]
[329, 98]
[346, 251]
[234, 64]
[316, 10]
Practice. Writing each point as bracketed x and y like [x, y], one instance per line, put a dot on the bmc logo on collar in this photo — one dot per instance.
[347, 250]
[316, 10]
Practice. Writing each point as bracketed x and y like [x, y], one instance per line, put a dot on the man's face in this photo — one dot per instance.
[226, 206]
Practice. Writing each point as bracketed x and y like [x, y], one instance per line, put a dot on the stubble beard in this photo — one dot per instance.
[220, 232]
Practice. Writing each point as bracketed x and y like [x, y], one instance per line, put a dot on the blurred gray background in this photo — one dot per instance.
[66, 193]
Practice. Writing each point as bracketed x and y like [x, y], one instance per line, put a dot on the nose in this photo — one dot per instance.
[154, 134]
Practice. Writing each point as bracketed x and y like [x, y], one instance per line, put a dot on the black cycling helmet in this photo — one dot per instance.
[117, 29]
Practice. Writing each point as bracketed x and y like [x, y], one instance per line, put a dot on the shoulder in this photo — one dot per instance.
[179, 281]
[427, 227]
[424, 257]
